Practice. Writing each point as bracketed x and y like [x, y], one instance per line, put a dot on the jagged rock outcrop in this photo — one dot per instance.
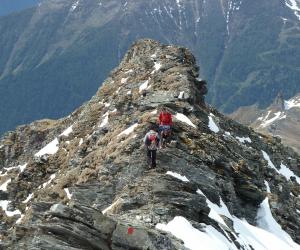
[89, 187]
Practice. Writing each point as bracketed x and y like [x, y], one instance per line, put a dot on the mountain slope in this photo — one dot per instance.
[9, 6]
[61, 51]
[82, 182]
[281, 119]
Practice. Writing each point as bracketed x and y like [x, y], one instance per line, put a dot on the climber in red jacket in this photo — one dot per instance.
[165, 125]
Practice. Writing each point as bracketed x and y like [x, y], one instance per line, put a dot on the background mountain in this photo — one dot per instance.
[82, 182]
[8, 6]
[53, 57]
[280, 119]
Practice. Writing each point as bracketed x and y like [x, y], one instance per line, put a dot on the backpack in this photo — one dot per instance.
[152, 137]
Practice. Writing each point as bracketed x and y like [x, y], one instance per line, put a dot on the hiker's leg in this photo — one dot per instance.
[149, 157]
[153, 158]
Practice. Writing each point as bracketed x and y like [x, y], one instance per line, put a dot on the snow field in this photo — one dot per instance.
[212, 125]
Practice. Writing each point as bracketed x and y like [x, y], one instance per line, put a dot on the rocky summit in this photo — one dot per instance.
[82, 182]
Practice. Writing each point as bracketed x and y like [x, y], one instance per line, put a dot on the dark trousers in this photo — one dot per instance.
[151, 158]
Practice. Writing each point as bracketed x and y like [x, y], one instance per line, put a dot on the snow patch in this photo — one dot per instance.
[243, 139]
[185, 119]
[144, 86]
[268, 187]
[292, 103]
[119, 200]
[157, 66]
[69, 195]
[266, 221]
[74, 6]
[4, 205]
[178, 176]
[246, 234]
[194, 238]
[50, 148]
[277, 116]
[267, 158]
[105, 120]
[29, 197]
[49, 181]
[293, 5]
[212, 125]
[3, 187]
[129, 130]
[129, 71]
[124, 80]
[287, 173]
[67, 132]
[181, 95]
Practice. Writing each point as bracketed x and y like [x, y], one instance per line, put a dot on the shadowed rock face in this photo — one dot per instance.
[95, 186]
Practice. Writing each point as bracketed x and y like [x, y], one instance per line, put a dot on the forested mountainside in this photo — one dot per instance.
[53, 57]
[82, 182]
[9, 6]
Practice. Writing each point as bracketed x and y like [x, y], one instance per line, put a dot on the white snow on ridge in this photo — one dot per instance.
[287, 173]
[185, 119]
[74, 5]
[267, 158]
[292, 103]
[129, 130]
[246, 234]
[266, 221]
[268, 187]
[105, 120]
[178, 176]
[22, 167]
[49, 181]
[29, 197]
[181, 95]
[277, 116]
[67, 132]
[144, 86]
[194, 238]
[129, 71]
[216, 211]
[69, 195]
[284, 170]
[212, 125]
[3, 187]
[157, 66]
[124, 80]
[293, 5]
[50, 148]
[243, 139]
[4, 204]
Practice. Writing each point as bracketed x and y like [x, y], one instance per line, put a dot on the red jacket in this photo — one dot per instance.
[165, 118]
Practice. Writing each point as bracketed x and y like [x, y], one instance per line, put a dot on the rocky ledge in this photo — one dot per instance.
[82, 182]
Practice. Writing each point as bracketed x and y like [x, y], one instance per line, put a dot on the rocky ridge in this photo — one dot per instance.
[82, 182]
